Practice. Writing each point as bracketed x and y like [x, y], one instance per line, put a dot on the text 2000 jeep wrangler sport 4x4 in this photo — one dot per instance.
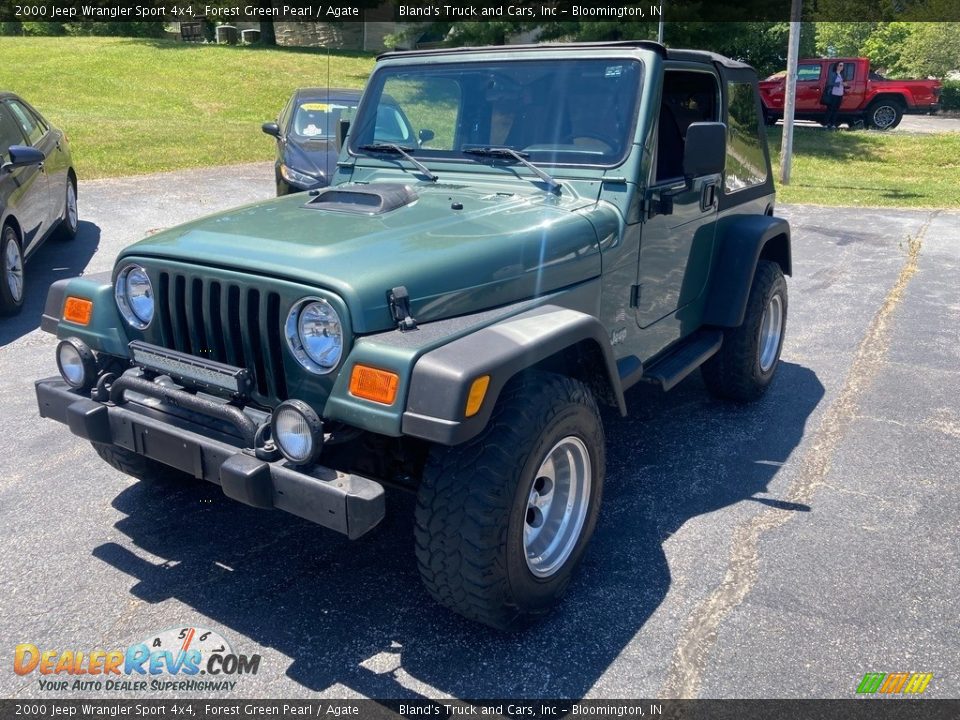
[447, 316]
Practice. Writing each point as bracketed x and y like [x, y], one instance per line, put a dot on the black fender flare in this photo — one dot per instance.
[742, 243]
[441, 379]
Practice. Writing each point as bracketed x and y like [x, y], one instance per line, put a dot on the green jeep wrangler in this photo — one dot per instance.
[447, 317]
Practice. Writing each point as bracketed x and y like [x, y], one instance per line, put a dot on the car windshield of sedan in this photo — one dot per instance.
[556, 112]
[315, 119]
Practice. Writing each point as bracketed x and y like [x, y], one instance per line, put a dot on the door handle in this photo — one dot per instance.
[708, 196]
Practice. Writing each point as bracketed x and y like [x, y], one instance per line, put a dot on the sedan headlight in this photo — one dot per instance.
[134, 295]
[296, 177]
[314, 334]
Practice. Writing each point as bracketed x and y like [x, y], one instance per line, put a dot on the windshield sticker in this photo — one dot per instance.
[613, 71]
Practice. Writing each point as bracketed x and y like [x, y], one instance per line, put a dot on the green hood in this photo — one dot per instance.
[499, 248]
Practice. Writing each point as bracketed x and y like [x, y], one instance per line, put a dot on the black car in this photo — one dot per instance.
[306, 133]
[38, 192]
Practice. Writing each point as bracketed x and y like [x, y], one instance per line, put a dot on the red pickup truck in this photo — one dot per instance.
[867, 97]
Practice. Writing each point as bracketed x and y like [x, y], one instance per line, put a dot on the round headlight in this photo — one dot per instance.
[134, 295]
[315, 335]
[298, 432]
[77, 363]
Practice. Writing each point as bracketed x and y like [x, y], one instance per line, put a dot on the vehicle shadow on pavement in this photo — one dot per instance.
[354, 615]
[53, 261]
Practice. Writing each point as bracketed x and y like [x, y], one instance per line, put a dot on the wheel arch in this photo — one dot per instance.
[11, 220]
[742, 244]
[549, 337]
[896, 97]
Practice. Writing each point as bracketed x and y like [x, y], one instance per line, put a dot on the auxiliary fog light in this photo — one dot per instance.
[298, 432]
[77, 363]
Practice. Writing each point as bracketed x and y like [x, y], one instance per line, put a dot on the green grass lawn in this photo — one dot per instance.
[139, 106]
[870, 169]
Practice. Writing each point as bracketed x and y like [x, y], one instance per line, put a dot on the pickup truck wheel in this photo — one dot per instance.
[503, 519]
[884, 114]
[745, 365]
[11, 272]
[137, 466]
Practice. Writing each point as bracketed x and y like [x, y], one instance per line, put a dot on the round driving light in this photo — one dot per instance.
[314, 335]
[298, 432]
[134, 294]
[77, 363]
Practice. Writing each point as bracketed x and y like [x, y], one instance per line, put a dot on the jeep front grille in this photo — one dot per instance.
[227, 322]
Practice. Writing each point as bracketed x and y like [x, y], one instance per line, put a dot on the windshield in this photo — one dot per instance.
[562, 112]
[316, 119]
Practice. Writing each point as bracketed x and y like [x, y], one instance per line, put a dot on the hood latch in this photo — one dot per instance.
[399, 300]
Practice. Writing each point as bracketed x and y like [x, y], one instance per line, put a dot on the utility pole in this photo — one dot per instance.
[660, 26]
[790, 92]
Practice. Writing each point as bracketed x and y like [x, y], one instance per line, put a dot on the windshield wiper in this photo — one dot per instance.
[381, 147]
[508, 152]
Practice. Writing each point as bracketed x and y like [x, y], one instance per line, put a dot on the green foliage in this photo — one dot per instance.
[950, 99]
[931, 49]
[116, 29]
[844, 39]
[901, 49]
[885, 44]
[43, 28]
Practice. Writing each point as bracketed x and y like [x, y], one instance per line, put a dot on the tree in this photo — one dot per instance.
[931, 49]
[885, 46]
[843, 39]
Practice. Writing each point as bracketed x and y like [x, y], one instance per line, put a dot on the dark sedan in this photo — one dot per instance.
[306, 133]
[38, 192]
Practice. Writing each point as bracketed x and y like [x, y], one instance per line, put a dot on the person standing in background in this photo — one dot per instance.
[833, 95]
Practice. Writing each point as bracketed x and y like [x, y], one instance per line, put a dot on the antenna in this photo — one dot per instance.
[328, 114]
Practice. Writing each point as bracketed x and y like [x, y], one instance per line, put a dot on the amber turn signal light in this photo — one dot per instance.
[478, 391]
[373, 384]
[77, 310]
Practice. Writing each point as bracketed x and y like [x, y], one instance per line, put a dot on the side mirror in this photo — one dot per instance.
[271, 128]
[705, 150]
[343, 127]
[21, 156]
[426, 135]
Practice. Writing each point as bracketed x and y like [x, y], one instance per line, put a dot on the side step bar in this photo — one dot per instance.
[674, 367]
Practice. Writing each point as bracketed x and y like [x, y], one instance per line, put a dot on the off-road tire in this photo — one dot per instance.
[735, 372]
[473, 502]
[10, 305]
[67, 230]
[881, 110]
[138, 466]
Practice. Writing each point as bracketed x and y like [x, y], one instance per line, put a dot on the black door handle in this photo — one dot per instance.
[708, 196]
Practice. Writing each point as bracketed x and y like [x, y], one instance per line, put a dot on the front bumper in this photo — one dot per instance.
[347, 503]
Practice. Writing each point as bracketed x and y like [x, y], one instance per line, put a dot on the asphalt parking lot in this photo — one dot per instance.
[781, 549]
[912, 124]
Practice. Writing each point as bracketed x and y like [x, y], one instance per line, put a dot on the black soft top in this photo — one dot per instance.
[680, 55]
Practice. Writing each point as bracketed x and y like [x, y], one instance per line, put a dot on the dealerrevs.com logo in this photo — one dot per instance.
[894, 683]
[179, 659]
